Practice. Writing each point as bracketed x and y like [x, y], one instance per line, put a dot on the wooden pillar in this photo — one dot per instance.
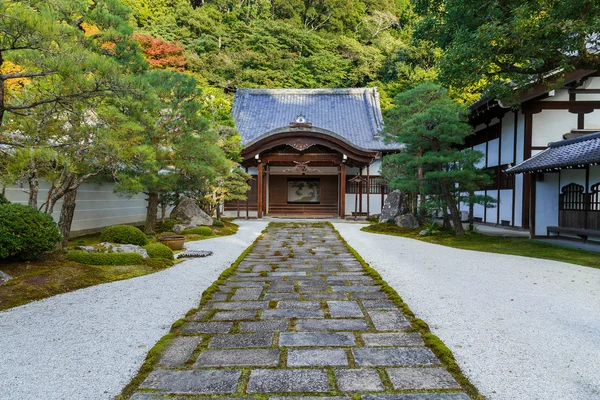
[532, 201]
[343, 191]
[514, 157]
[368, 191]
[259, 188]
[587, 197]
[248, 200]
[528, 182]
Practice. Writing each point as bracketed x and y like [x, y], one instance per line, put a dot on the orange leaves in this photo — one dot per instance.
[11, 86]
[161, 53]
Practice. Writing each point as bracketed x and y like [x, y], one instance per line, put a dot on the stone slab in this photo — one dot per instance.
[344, 309]
[290, 380]
[356, 288]
[394, 357]
[237, 305]
[273, 325]
[316, 357]
[247, 294]
[379, 305]
[389, 320]
[282, 296]
[421, 378]
[179, 350]
[238, 358]
[417, 396]
[309, 398]
[325, 296]
[240, 341]
[287, 273]
[392, 339]
[358, 380]
[299, 305]
[339, 277]
[369, 295]
[332, 325]
[314, 339]
[288, 313]
[206, 327]
[234, 315]
[193, 382]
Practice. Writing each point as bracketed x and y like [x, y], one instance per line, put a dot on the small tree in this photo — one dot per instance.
[431, 126]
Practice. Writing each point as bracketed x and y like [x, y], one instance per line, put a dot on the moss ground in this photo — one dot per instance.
[53, 274]
[493, 244]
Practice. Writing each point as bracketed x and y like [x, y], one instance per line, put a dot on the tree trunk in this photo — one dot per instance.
[152, 210]
[448, 198]
[446, 218]
[471, 212]
[163, 211]
[219, 211]
[66, 217]
[34, 187]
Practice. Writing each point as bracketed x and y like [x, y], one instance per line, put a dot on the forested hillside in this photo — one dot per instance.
[289, 43]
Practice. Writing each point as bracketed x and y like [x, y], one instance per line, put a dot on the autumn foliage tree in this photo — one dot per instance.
[161, 53]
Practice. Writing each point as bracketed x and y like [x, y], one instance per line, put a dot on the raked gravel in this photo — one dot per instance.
[88, 344]
[520, 328]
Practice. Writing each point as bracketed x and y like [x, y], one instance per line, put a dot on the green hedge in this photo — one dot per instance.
[218, 222]
[124, 234]
[159, 250]
[168, 225]
[3, 200]
[105, 258]
[25, 232]
[199, 230]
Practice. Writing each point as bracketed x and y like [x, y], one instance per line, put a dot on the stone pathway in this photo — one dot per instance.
[298, 319]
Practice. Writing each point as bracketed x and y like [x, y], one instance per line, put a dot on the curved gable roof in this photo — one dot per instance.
[353, 114]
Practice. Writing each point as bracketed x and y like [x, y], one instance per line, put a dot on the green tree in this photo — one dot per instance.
[431, 126]
[184, 149]
[487, 45]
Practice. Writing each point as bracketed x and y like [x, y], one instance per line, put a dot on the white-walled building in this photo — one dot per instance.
[509, 137]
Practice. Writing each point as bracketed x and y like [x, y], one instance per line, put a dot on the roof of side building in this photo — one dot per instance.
[353, 114]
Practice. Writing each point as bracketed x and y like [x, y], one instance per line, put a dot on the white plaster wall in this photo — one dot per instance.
[478, 208]
[492, 160]
[374, 203]
[492, 213]
[481, 148]
[505, 205]
[594, 175]
[546, 204]
[253, 171]
[508, 138]
[550, 126]
[374, 169]
[518, 200]
[97, 205]
[559, 95]
[592, 120]
[592, 83]
[572, 176]
[351, 171]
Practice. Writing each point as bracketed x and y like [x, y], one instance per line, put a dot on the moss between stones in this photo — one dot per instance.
[155, 352]
[432, 341]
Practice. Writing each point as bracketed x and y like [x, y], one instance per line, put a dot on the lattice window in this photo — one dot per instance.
[376, 185]
[572, 197]
[595, 197]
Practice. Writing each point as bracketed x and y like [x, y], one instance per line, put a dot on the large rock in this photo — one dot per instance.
[406, 221]
[189, 214]
[396, 203]
[4, 277]
[106, 247]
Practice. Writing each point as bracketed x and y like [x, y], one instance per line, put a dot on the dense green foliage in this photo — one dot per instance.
[159, 250]
[431, 126]
[488, 44]
[105, 258]
[167, 225]
[312, 43]
[25, 232]
[3, 200]
[125, 234]
[218, 222]
[199, 230]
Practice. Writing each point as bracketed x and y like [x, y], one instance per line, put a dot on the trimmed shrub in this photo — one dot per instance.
[158, 262]
[105, 258]
[168, 225]
[124, 234]
[3, 200]
[199, 230]
[159, 250]
[218, 222]
[26, 232]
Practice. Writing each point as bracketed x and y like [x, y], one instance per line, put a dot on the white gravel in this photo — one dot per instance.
[88, 344]
[520, 328]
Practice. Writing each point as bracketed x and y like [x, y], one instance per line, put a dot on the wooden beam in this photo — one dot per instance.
[527, 179]
[514, 190]
[343, 191]
[285, 157]
[368, 191]
[259, 188]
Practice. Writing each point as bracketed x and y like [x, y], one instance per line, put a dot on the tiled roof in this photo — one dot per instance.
[582, 150]
[353, 114]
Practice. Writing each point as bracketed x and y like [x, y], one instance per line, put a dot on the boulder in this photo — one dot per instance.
[106, 247]
[4, 277]
[396, 203]
[189, 214]
[406, 221]
[178, 228]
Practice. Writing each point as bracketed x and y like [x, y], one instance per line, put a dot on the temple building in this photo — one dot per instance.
[312, 153]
